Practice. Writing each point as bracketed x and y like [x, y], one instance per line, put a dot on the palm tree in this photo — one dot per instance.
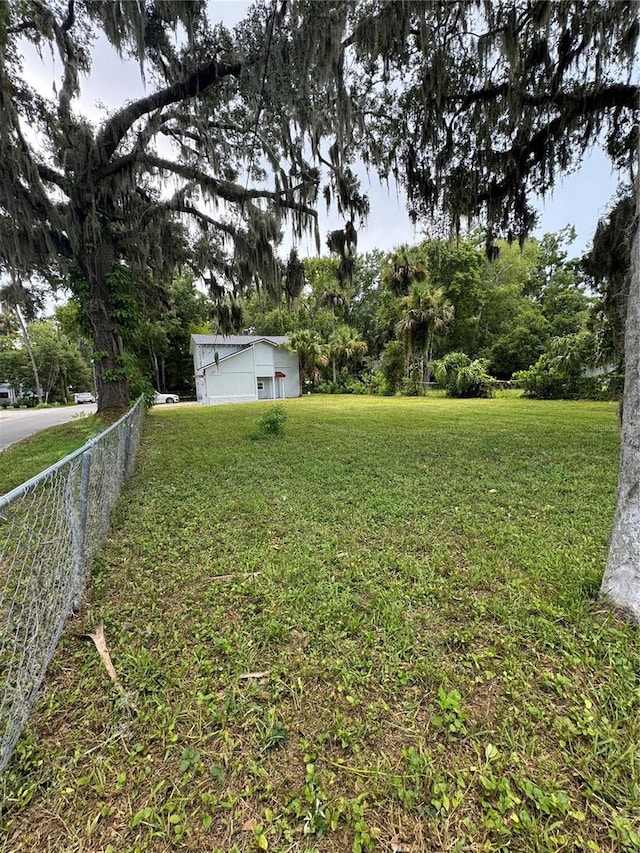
[403, 270]
[345, 343]
[427, 314]
[312, 354]
[570, 354]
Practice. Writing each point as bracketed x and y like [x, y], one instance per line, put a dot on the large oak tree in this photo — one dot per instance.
[200, 171]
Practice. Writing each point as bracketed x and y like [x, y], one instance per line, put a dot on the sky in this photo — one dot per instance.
[580, 199]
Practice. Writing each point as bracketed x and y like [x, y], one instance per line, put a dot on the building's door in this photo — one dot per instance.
[265, 388]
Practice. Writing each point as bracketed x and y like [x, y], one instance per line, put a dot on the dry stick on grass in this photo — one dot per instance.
[234, 577]
[101, 647]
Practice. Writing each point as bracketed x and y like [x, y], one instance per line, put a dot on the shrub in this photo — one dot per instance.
[347, 385]
[543, 381]
[446, 369]
[271, 423]
[354, 386]
[463, 377]
[412, 386]
[473, 381]
[326, 386]
[375, 383]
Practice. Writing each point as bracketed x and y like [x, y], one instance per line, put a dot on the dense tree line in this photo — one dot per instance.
[401, 311]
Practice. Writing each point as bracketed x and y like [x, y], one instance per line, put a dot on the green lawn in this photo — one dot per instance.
[26, 458]
[375, 632]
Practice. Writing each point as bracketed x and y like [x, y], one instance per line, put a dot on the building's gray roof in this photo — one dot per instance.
[237, 340]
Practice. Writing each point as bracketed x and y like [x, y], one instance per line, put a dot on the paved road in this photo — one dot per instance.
[19, 423]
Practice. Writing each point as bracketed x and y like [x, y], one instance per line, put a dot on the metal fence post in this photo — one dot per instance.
[81, 542]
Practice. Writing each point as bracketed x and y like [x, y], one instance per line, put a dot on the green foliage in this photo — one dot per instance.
[346, 385]
[392, 366]
[559, 373]
[459, 270]
[544, 381]
[312, 355]
[271, 423]
[412, 385]
[463, 377]
[520, 342]
[426, 315]
[473, 380]
[60, 363]
[446, 369]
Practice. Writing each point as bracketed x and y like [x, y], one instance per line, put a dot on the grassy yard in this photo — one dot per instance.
[26, 458]
[375, 632]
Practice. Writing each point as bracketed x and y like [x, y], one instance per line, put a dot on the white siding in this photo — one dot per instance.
[232, 380]
[263, 356]
[235, 378]
[287, 362]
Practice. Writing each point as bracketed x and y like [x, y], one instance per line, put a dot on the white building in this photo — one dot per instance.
[7, 395]
[242, 368]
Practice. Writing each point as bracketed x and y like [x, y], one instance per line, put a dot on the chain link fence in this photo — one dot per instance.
[50, 530]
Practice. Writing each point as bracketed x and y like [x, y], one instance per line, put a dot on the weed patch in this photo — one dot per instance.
[270, 423]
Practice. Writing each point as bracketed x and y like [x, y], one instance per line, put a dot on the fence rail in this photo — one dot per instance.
[50, 530]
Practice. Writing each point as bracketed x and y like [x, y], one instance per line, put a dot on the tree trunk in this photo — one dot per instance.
[429, 358]
[158, 384]
[111, 381]
[163, 373]
[27, 343]
[621, 583]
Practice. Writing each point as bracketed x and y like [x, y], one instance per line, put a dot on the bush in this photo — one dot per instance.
[270, 423]
[412, 386]
[542, 381]
[326, 386]
[354, 386]
[473, 381]
[462, 377]
[446, 369]
[347, 385]
[376, 383]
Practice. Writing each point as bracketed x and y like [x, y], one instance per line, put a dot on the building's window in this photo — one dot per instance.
[260, 386]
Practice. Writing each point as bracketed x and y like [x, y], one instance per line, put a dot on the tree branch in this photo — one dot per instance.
[227, 190]
[617, 95]
[181, 206]
[50, 175]
[197, 82]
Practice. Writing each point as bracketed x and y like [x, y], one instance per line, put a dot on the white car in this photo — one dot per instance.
[165, 398]
[84, 397]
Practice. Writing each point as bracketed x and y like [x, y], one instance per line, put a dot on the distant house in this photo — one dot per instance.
[242, 368]
[7, 395]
